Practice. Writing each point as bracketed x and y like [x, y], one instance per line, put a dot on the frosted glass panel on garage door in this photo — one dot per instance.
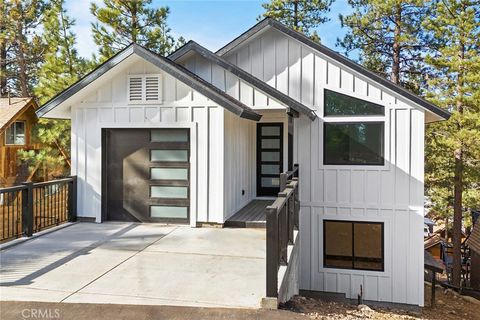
[169, 155]
[169, 135]
[168, 212]
[168, 192]
[169, 174]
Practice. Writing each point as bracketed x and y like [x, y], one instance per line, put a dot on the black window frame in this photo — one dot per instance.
[353, 222]
[382, 155]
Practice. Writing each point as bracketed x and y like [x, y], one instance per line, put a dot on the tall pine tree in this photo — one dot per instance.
[62, 66]
[453, 146]
[21, 45]
[121, 22]
[301, 15]
[388, 35]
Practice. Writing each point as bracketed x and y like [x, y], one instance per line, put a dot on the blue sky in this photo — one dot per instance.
[211, 23]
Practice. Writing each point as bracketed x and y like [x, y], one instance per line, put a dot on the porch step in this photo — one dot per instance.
[250, 216]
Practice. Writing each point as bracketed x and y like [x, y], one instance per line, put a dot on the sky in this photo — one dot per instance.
[211, 23]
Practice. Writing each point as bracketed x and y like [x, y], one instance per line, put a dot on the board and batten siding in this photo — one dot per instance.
[106, 106]
[392, 194]
[229, 83]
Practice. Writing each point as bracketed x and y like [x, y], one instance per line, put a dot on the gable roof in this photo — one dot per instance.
[473, 240]
[170, 67]
[11, 108]
[245, 76]
[268, 22]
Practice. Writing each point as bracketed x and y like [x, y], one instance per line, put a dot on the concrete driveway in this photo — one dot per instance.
[129, 263]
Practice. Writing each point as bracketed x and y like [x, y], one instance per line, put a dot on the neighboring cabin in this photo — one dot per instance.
[198, 136]
[17, 119]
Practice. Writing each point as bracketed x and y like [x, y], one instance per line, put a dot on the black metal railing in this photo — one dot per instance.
[33, 207]
[282, 220]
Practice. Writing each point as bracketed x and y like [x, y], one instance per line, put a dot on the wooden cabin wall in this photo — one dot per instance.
[10, 172]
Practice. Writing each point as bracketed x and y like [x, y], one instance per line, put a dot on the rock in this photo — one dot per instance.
[452, 312]
[439, 302]
[471, 299]
[364, 308]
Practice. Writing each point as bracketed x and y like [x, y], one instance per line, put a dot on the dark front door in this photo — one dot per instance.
[146, 175]
[269, 158]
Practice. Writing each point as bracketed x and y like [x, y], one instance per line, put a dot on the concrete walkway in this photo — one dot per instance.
[146, 264]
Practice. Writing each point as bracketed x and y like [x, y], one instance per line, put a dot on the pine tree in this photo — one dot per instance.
[62, 66]
[121, 22]
[21, 45]
[452, 147]
[388, 35]
[301, 15]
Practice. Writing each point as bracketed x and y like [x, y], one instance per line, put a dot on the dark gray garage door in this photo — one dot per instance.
[146, 175]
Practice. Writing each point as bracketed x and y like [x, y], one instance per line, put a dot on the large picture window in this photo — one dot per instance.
[353, 245]
[357, 143]
[354, 131]
[15, 134]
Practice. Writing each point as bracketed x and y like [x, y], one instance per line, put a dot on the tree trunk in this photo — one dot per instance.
[458, 183]
[3, 69]
[22, 64]
[396, 45]
[3, 53]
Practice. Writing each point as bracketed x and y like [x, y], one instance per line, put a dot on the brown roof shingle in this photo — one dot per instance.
[9, 108]
[474, 240]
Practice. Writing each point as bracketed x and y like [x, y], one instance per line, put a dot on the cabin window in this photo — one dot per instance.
[353, 245]
[15, 134]
[353, 131]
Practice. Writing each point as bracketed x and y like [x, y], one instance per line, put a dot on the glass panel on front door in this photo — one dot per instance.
[269, 158]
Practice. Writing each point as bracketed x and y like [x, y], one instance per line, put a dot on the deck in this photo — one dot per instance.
[250, 216]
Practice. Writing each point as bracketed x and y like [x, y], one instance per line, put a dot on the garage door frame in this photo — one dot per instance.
[193, 160]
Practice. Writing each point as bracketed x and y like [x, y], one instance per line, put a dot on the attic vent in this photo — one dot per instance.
[135, 89]
[144, 89]
[152, 88]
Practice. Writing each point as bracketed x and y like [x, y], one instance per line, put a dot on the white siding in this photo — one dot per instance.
[392, 194]
[106, 106]
[230, 83]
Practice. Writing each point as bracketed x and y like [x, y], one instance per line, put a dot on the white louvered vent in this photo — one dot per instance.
[152, 88]
[135, 89]
[144, 89]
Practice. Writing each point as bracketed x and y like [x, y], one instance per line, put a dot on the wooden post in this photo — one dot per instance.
[283, 181]
[434, 283]
[72, 200]
[27, 209]
[272, 252]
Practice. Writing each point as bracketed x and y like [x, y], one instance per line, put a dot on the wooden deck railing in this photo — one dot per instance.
[32, 207]
[282, 220]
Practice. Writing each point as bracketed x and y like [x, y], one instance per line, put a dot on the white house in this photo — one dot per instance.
[196, 137]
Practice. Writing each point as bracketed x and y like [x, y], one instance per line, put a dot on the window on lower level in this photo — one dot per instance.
[353, 245]
[353, 143]
[15, 134]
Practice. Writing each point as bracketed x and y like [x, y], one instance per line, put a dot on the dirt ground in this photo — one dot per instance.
[449, 306]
